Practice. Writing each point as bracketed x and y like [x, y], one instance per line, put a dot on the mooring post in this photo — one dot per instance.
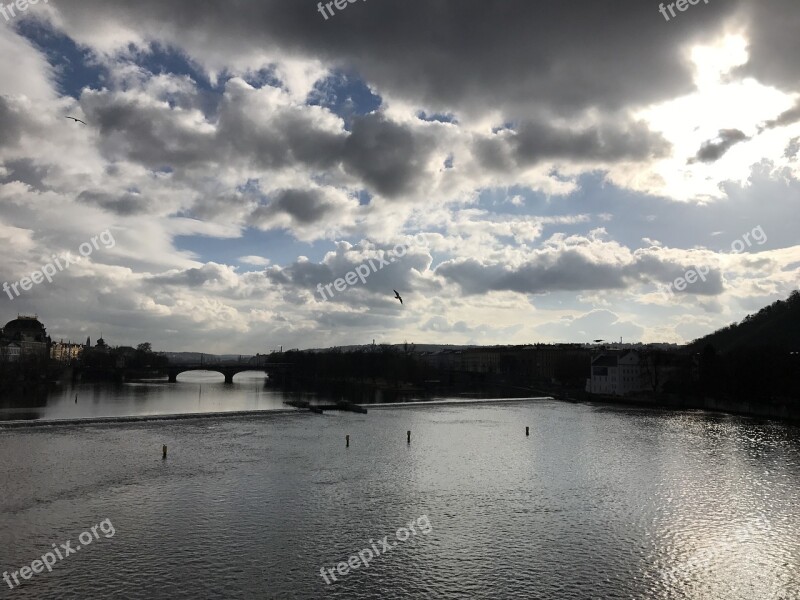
[164, 449]
[527, 431]
[409, 436]
[347, 438]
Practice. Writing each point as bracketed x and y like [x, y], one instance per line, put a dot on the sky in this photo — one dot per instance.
[550, 171]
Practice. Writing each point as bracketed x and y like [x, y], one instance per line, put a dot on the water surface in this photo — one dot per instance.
[596, 503]
[195, 392]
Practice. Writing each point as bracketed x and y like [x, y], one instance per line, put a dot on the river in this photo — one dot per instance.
[597, 502]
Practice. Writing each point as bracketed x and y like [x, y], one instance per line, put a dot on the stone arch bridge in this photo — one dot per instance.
[228, 370]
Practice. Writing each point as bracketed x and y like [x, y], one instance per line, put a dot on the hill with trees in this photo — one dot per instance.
[774, 326]
[757, 359]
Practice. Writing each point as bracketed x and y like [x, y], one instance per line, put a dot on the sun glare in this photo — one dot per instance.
[719, 103]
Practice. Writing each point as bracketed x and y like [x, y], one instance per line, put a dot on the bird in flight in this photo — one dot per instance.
[397, 295]
[77, 120]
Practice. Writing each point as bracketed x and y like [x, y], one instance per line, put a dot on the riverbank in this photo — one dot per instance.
[784, 411]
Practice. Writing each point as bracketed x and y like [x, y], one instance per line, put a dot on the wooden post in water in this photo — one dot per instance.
[527, 431]
[164, 449]
[347, 438]
[409, 436]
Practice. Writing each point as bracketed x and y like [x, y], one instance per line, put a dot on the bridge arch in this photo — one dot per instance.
[227, 372]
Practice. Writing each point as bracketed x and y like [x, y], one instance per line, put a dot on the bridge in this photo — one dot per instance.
[227, 369]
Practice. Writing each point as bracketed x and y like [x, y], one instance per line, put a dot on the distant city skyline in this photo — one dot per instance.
[547, 182]
[416, 346]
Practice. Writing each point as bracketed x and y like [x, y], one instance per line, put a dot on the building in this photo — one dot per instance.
[480, 360]
[556, 362]
[29, 335]
[9, 352]
[550, 363]
[617, 373]
[66, 352]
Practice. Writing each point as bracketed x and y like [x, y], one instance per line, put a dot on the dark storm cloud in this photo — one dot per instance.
[774, 45]
[121, 204]
[713, 150]
[568, 270]
[536, 142]
[469, 55]
[304, 206]
[386, 155]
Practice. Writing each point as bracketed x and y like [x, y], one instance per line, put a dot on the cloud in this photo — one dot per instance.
[423, 55]
[578, 264]
[217, 132]
[257, 261]
[537, 141]
[302, 206]
[792, 148]
[549, 272]
[258, 128]
[11, 132]
[388, 156]
[403, 273]
[773, 42]
[211, 275]
[713, 150]
[125, 204]
[785, 118]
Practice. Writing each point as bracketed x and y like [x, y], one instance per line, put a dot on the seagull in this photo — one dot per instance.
[397, 295]
[77, 120]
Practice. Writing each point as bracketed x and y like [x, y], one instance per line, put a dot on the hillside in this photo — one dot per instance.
[775, 326]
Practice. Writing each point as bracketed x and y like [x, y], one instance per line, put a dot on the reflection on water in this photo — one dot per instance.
[195, 392]
[596, 503]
